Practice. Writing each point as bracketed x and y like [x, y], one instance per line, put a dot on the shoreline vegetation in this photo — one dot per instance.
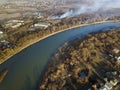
[37, 39]
[83, 63]
[3, 73]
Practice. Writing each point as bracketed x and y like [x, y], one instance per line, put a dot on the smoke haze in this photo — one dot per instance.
[86, 6]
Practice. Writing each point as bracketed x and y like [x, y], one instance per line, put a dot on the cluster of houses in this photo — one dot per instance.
[14, 23]
[113, 53]
[117, 56]
[113, 77]
[110, 81]
[41, 25]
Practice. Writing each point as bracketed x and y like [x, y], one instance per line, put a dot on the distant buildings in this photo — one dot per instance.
[13, 23]
[109, 85]
[103, 88]
[39, 25]
[42, 25]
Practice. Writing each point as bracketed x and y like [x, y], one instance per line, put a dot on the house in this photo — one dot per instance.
[115, 53]
[114, 73]
[111, 73]
[16, 25]
[103, 88]
[115, 50]
[118, 59]
[106, 79]
[41, 25]
[114, 82]
[108, 86]
[1, 32]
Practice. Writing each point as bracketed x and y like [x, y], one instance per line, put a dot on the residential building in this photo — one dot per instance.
[103, 88]
[115, 50]
[41, 25]
[118, 59]
[108, 86]
[114, 82]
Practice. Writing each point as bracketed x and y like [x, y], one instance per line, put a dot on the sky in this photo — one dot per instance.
[108, 3]
[88, 4]
[100, 3]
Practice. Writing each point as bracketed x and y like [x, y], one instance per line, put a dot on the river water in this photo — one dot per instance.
[25, 68]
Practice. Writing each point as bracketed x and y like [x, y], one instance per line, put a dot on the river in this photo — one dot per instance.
[25, 68]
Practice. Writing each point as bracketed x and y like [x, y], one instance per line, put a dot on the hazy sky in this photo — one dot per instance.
[94, 3]
[108, 3]
[91, 6]
[100, 3]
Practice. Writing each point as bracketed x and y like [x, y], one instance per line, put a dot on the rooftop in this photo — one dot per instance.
[115, 50]
[1, 32]
[108, 86]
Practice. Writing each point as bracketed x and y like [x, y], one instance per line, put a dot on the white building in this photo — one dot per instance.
[14, 23]
[103, 88]
[1, 32]
[116, 50]
[17, 25]
[108, 86]
[118, 59]
[41, 25]
[114, 82]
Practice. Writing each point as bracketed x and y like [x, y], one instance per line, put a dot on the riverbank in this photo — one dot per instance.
[35, 40]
